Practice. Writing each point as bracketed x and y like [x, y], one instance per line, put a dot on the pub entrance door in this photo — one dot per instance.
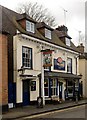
[26, 92]
[60, 90]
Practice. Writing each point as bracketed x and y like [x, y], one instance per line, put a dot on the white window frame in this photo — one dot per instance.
[30, 26]
[54, 87]
[48, 33]
[67, 41]
[25, 51]
[69, 65]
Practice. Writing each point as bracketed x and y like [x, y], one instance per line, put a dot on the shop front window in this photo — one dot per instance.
[54, 87]
[46, 88]
[70, 89]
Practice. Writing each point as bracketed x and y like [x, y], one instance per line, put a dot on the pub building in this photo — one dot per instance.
[56, 55]
[27, 38]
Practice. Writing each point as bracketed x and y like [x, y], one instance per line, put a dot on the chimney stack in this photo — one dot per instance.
[81, 48]
[62, 28]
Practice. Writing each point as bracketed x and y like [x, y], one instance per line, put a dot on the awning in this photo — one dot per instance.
[61, 75]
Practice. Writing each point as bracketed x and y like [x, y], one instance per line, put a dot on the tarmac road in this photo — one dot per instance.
[79, 112]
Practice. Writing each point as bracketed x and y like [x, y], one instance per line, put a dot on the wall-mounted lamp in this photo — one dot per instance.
[80, 75]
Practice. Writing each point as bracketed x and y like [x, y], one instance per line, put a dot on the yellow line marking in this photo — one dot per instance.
[47, 113]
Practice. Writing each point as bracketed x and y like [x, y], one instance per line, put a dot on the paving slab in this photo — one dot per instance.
[33, 110]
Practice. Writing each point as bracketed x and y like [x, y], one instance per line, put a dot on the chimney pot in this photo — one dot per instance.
[62, 28]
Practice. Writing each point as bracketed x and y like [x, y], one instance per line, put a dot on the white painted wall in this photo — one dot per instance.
[36, 54]
[19, 92]
[82, 69]
[35, 94]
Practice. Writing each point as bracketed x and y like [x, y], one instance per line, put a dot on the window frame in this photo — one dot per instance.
[29, 28]
[68, 42]
[48, 33]
[69, 70]
[54, 87]
[46, 87]
[31, 65]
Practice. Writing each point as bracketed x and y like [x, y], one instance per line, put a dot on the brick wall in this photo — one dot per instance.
[23, 23]
[3, 70]
[0, 71]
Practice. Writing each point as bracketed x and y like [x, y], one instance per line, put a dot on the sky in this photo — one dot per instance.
[75, 15]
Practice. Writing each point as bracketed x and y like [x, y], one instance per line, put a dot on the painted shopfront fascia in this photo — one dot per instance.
[36, 45]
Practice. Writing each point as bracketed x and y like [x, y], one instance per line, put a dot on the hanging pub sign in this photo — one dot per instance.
[47, 58]
[59, 64]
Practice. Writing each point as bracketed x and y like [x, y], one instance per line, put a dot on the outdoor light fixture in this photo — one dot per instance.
[80, 75]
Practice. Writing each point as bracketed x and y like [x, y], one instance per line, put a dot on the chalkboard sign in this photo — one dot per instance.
[33, 85]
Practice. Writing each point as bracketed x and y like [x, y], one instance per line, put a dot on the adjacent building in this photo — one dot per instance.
[4, 69]
[83, 70]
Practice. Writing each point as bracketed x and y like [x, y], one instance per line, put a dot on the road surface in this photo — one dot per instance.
[79, 112]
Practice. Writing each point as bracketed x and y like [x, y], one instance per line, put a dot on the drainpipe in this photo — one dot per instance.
[42, 79]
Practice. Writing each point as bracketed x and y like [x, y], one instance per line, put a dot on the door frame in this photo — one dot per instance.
[60, 92]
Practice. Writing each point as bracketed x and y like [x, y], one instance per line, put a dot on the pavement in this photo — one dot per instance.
[30, 110]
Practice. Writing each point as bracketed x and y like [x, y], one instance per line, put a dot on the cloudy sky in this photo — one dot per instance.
[75, 15]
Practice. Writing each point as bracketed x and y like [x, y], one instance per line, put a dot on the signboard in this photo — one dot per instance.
[47, 58]
[33, 85]
[59, 64]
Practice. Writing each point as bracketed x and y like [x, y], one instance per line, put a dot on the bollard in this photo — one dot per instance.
[39, 102]
[76, 98]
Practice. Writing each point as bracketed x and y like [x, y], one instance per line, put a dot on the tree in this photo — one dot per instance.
[37, 12]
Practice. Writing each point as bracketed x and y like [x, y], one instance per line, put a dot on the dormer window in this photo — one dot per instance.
[67, 41]
[30, 27]
[47, 33]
